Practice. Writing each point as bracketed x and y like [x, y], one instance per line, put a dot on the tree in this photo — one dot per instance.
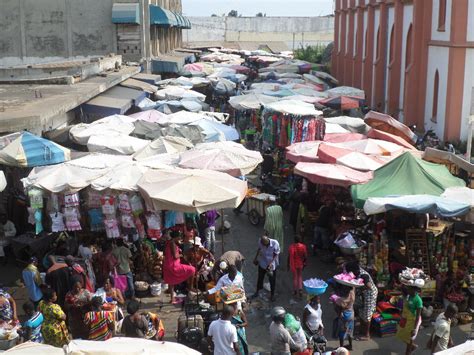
[213, 15]
[233, 13]
[259, 15]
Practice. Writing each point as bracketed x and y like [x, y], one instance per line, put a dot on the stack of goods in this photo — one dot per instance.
[385, 319]
[315, 286]
[232, 294]
[349, 279]
[348, 244]
[155, 266]
[413, 277]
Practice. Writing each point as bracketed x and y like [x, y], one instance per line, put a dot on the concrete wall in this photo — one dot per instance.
[294, 31]
[35, 31]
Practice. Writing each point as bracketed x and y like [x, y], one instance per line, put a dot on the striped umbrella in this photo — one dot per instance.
[29, 150]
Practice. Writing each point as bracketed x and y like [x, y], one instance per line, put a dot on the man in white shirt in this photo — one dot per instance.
[441, 337]
[7, 231]
[267, 261]
[223, 334]
[233, 277]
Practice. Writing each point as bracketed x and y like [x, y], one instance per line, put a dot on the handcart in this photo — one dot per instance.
[256, 206]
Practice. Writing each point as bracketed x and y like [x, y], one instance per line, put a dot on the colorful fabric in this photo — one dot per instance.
[111, 228]
[57, 222]
[406, 325]
[96, 220]
[241, 335]
[71, 200]
[34, 324]
[369, 298]
[274, 223]
[71, 215]
[6, 311]
[99, 323]
[54, 328]
[32, 280]
[36, 198]
[38, 222]
[75, 302]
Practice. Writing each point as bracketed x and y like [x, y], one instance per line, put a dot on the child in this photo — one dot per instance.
[32, 327]
[297, 255]
[344, 306]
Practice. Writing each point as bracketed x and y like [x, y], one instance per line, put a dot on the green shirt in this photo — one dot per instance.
[123, 255]
[414, 303]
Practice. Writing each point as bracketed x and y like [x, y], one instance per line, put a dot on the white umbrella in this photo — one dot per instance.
[129, 346]
[460, 194]
[123, 177]
[345, 91]
[109, 126]
[335, 128]
[294, 107]
[353, 124]
[161, 161]
[251, 101]
[168, 144]
[191, 190]
[229, 157]
[116, 144]
[177, 93]
[372, 146]
[73, 175]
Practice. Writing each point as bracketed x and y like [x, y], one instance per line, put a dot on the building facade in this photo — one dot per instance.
[43, 31]
[413, 58]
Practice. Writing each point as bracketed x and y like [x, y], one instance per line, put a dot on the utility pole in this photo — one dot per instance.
[469, 139]
[294, 41]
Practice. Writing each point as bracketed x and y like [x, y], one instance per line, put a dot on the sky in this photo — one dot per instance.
[252, 7]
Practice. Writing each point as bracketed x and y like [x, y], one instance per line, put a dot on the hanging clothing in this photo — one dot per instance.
[36, 198]
[71, 214]
[71, 200]
[111, 228]
[96, 220]
[57, 222]
[38, 222]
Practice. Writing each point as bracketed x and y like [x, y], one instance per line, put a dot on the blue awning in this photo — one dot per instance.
[126, 13]
[188, 23]
[162, 17]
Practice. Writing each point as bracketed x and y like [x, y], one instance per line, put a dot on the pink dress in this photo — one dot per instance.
[173, 271]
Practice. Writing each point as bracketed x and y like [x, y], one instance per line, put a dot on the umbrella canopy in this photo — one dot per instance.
[342, 137]
[343, 102]
[251, 101]
[163, 145]
[314, 79]
[460, 194]
[177, 93]
[3, 181]
[123, 177]
[35, 348]
[373, 147]
[417, 204]
[330, 153]
[389, 124]
[303, 151]
[150, 116]
[325, 76]
[331, 174]
[228, 157]
[129, 346]
[406, 175]
[352, 124]
[216, 131]
[334, 128]
[223, 86]
[28, 150]
[345, 91]
[161, 161]
[294, 107]
[116, 144]
[74, 175]
[111, 125]
[375, 133]
[191, 190]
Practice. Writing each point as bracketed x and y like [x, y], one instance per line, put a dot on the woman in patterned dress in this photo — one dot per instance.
[54, 328]
[76, 303]
[100, 322]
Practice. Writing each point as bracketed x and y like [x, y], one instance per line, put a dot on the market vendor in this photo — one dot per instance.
[233, 277]
[7, 307]
[369, 297]
[411, 315]
[231, 257]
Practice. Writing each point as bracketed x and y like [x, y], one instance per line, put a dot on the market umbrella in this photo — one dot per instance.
[373, 146]
[34, 348]
[167, 144]
[123, 177]
[460, 194]
[73, 175]
[28, 150]
[329, 153]
[250, 101]
[353, 124]
[161, 161]
[111, 125]
[345, 91]
[343, 102]
[177, 93]
[191, 190]
[129, 346]
[331, 174]
[150, 116]
[437, 205]
[303, 151]
[375, 133]
[342, 137]
[116, 144]
[229, 157]
[314, 79]
[334, 128]
[406, 175]
[223, 86]
[325, 76]
[389, 124]
[294, 107]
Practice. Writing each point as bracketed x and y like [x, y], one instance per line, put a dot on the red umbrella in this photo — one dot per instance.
[328, 153]
[389, 124]
[343, 137]
[343, 102]
[375, 133]
[332, 174]
[303, 151]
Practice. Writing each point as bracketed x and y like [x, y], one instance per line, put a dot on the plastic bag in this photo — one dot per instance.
[291, 324]
[345, 240]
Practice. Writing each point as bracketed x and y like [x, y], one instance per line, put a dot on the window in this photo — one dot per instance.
[409, 48]
[379, 46]
[442, 15]
[392, 45]
[434, 109]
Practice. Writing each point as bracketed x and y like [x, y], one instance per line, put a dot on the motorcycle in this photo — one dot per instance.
[282, 192]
